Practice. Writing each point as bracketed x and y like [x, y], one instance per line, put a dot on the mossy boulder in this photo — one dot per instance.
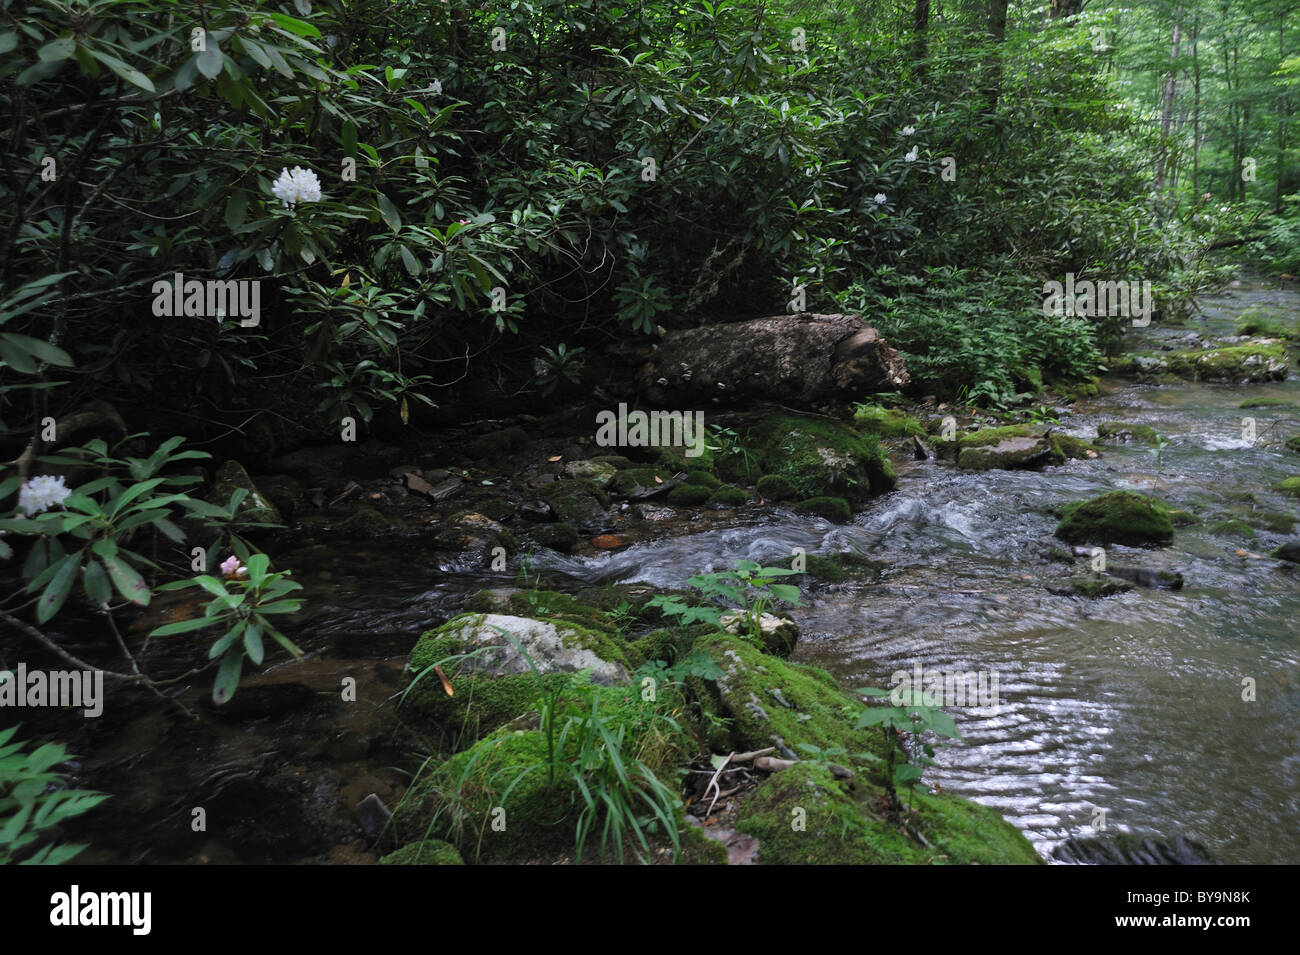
[559, 537]
[639, 483]
[702, 478]
[887, 422]
[832, 508]
[475, 533]
[1288, 551]
[1125, 433]
[579, 503]
[495, 686]
[1233, 528]
[821, 457]
[729, 497]
[1118, 517]
[1012, 447]
[428, 852]
[617, 461]
[680, 458]
[1293, 444]
[1256, 361]
[1290, 486]
[1264, 328]
[773, 487]
[771, 702]
[804, 815]
[837, 568]
[1266, 403]
[688, 494]
[1088, 587]
[1275, 521]
[255, 506]
[599, 473]
[367, 522]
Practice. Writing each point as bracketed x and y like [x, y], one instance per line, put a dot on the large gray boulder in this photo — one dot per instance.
[797, 360]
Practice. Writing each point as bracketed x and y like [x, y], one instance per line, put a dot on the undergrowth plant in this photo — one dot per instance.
[749, 587]
[903, 767]
[33, 799]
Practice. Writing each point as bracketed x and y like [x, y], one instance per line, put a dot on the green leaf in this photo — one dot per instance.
[96, 583]
[129, 583]
[56, 50]
[209, 60]
[299, 27]
[410, 261]
[183, 626]
[128, 73]
[8, 41]
[253, 643]
[57, 592]
[390, 213]
[232, 664]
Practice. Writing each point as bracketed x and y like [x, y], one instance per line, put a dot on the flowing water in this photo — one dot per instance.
[1131, 704]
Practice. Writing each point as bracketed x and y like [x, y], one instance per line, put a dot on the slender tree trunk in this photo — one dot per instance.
[998, 32]
[1196, 108]
[920, 38]
[1167, 113]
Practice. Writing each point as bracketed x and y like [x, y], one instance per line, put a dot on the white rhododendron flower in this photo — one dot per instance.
[301, 185]
[908, 130]
[42, 493]
[880, 199]
[910, 157]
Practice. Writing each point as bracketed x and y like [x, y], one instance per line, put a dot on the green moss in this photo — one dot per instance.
[1274, 521]
[504, 778]
[1293, 444]
[984, 449]
[1119, 517]
[887, 422]
[366, 522]
[832, 508]
[430, 852]
[559, 537]
[617, 460]
[677, 459]
[773, 487]
[1233, 362]
[699, 849]
[1264, 328]
[688, 494]
[641, 482]
[840, 567]
[579, 503]
[1120, 431]
[1266, 403]
[822, 457]
[1089, 587]
[1232, 528]
[1290, 486]
[497, 444]
[805, 816]
[702, 479]
[729, 497]
[842, 823]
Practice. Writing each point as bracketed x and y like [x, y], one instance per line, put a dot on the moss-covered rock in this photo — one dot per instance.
[1264, 328]
[559, 537]
[1233, 528]
[1012, 447]
[776, 635]
[1293, 444]
[702, 478]
[579, 503]
[428, 852]
[617, 461]
[821, 457]
[773, 487]
[1124, 432]
[1289, 486]
[806, 816]
[837, 568]
[832, 508]
[475, 533]
[1275, 521]
[760, 701]
[1266, 403]
[729, 497]
[688, 494]
[367, 522]
[599, 473]
[639, 483]
[1250, 362]
[677, 459]
[887, 422]
[1289, 551]
[1119, 517]
[1088, 587]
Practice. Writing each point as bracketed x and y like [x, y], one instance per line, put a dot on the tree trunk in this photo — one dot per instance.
[1167, 113]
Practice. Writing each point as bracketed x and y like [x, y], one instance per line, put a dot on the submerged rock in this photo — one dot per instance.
[1125, 433]
[1290, 550]
[255, 506]
[1013, 447]
[1130, 850]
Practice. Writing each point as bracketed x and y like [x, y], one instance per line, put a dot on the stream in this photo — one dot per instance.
[1130, 704]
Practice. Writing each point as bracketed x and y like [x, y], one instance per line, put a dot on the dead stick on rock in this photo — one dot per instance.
[713, 784]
